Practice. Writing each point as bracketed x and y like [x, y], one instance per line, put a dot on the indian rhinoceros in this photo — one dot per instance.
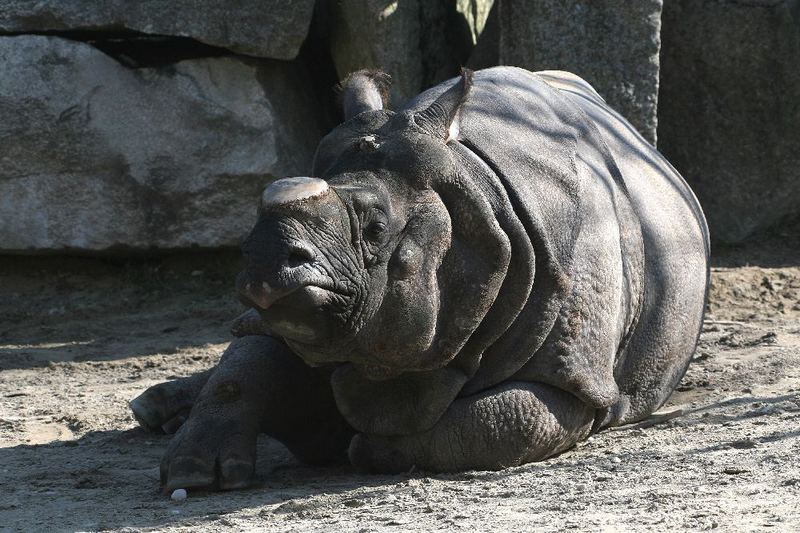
[481, 279]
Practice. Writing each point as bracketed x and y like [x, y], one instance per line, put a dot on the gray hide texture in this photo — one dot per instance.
[483, 278]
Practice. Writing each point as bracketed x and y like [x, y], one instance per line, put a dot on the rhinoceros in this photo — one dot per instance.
[478, 280]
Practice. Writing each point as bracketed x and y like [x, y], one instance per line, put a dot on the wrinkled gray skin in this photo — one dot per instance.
[483, 279]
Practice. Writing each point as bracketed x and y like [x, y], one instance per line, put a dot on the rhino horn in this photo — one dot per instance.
[287, 190]
[441, 117]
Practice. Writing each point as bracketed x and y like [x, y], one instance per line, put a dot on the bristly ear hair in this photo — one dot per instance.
[441, 117]
[363, 90]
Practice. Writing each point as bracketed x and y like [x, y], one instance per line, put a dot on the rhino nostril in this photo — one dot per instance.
[299, 256]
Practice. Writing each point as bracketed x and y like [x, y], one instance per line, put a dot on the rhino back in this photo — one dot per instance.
[676, 251]
[570, 185]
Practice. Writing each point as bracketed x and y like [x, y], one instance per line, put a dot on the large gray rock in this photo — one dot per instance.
[96, 156]
[486, 52]
[612, 44]
[417, 42]
[729, 118]
[264, 28]
[379, 34]
[475, 13]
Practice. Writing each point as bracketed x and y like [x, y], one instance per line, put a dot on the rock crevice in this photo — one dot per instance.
[264, 28]
[136, 50]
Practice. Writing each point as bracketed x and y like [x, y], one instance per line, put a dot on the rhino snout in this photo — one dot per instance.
[295, 269]
[298, 255]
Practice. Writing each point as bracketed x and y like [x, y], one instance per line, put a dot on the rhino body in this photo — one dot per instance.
[478, 280]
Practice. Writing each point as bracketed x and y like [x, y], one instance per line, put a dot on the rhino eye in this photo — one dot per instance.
[375, 230]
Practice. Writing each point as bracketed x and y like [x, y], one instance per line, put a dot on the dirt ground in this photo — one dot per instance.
[81, 337]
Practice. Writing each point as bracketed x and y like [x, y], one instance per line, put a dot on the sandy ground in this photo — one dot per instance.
[80, 337]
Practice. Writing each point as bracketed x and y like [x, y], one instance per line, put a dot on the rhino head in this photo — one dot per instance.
[390, 258]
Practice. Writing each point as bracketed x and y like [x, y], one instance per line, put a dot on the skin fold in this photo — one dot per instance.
[478, 280]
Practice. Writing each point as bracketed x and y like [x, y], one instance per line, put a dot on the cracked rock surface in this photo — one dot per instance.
[263, 28]
[97, 156]
[728, 113]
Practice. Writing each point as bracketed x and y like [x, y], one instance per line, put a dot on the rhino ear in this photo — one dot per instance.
[441, 118]
[364, 90]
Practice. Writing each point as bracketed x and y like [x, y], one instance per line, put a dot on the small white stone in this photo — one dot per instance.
[178, 495]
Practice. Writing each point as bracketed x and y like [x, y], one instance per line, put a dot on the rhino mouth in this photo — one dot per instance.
[295, 296]
[294, 265]
[264, 296]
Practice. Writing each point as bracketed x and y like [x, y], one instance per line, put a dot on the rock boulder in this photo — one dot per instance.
[263, 28]
[612, 44]
[729, 118]
[417, 42]
[96, 156]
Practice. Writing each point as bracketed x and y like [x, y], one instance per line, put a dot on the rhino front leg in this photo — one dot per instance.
[511, 424]
[164, 407]
[260, 386]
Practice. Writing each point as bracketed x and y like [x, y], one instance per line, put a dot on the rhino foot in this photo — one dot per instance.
[259, 386]
[163, 408]
[214, 451]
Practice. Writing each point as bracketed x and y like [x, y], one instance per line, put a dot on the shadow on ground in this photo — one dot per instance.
[109, 479]
[57, 309]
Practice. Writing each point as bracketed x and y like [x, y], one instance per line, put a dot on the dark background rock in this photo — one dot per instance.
[729, 109]
[417, 42]
[612, 44]
[101, 102]
[264, 28]
[94, 155]
[379, 34]
[486, 52]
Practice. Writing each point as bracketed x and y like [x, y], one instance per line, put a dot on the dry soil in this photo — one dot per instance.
[81, 337]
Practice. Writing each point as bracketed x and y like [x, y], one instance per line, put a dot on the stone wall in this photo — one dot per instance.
[729, 109]
[150, 124]
[96, 155]
[153, 124]
[612, 44]
[262, 28]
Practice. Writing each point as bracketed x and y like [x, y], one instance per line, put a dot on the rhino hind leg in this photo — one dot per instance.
[647, 378]
[258, 387]
[660, 349]
[670, 321]
[164, 407]
[511, 424]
